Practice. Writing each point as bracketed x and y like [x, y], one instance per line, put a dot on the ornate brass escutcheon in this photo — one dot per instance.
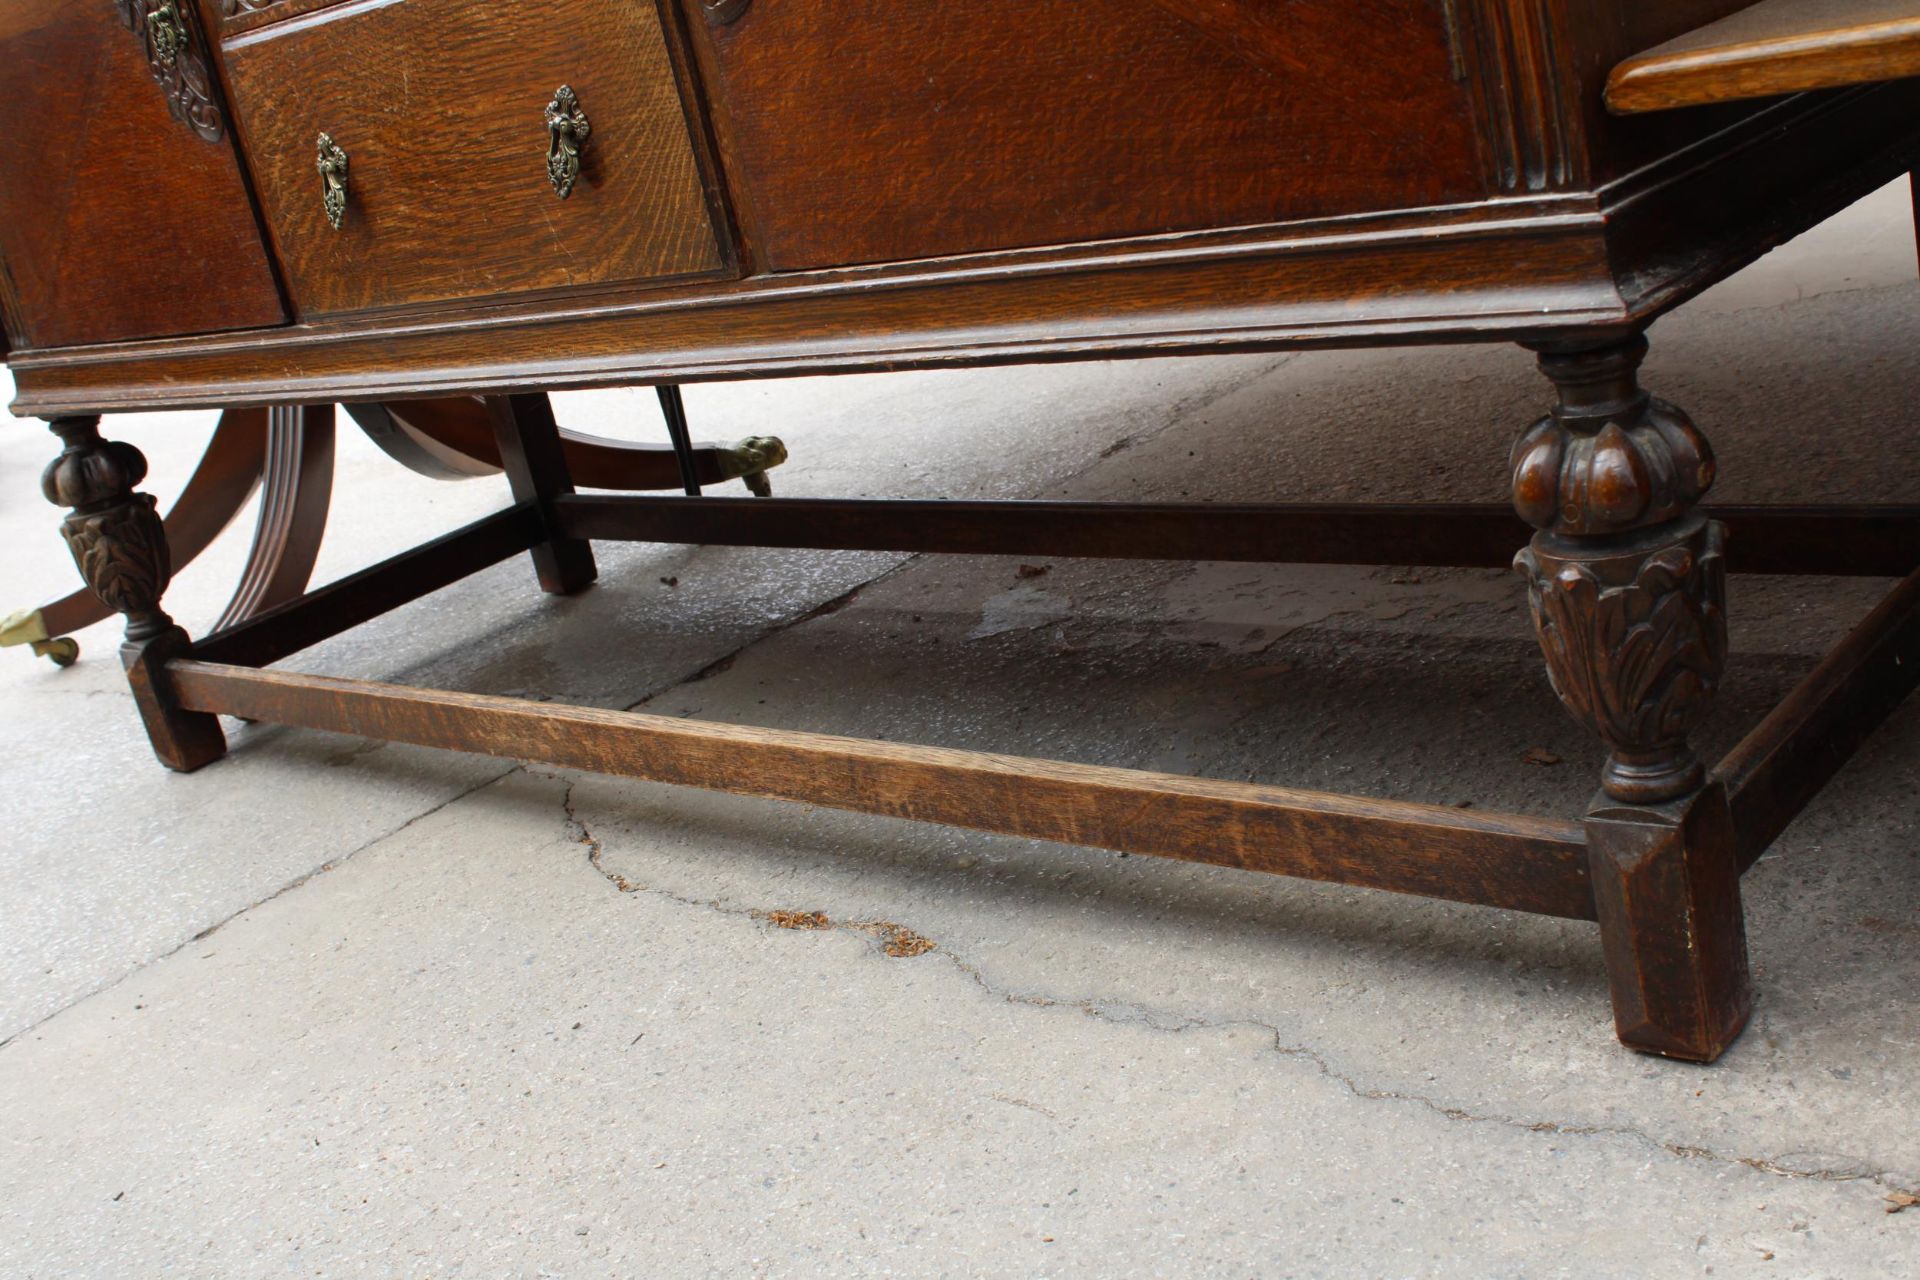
[567, 131]
[332, 164]
[169, 36]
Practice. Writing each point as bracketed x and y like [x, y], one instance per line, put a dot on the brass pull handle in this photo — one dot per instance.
[567, 131]
[331, 161]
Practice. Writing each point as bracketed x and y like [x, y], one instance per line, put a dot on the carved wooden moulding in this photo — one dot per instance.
[1635, 642]
[177, 57]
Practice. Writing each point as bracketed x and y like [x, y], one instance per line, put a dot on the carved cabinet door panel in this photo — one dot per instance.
[123, 212]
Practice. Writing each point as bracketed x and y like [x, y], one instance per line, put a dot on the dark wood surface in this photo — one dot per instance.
[285, 630]
[1774, 47]
[296, 490]
[1849, 541]
[1666, 888]
[227, 475]
[117, 221]
[536, 467]
[1803, 742]
[452, 437]
[1526, 267]
[439, 106]
[231, 17]
[1585, 40]
[916, 184]
[1533, 864]
[883, 130]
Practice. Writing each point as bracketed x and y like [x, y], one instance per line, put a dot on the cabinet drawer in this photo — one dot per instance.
[439, 107]
[873, 130]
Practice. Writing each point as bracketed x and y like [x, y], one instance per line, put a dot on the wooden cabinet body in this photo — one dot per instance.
[119, 219]
[784, 186]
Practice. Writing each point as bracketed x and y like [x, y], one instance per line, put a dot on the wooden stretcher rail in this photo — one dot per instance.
[1852, 541]
[361, 597]
[1526, 864]
[1782, 764]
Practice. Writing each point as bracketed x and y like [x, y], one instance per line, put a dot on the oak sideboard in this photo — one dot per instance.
[245, 203]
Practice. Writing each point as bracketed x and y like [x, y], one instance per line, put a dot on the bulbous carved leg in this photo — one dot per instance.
[1628, 588]
[120, 546]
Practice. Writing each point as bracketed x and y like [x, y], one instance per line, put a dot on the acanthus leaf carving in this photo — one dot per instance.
[1635, 640]
[116, 535]
[176, 56]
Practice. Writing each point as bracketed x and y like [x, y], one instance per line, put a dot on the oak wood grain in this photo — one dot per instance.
[439, 107]
[340, 606]
[881, 130]
[1774, 47]
[1520, 268]
[116, 220]
[1881, 541]
[1802, 743]
[1528, 864]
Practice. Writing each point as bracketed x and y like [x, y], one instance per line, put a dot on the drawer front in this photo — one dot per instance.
[119, 219]
[876, 130]
[440, 110]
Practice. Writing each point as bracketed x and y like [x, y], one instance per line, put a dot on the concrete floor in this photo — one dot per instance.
[338, 1009]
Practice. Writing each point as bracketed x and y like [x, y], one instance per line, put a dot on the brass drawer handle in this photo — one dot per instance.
[331, 161]
[567, 131]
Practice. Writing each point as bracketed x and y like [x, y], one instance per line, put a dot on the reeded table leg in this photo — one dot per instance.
[120, 545]
[1628, 587]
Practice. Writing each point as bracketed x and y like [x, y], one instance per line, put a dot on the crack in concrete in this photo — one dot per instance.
[1119, 1013]
[896, 941]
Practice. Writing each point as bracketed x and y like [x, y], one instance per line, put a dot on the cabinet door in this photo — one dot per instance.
[123, 213]
[875, 130]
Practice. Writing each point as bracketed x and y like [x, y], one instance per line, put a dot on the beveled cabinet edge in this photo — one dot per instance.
[1427, 274]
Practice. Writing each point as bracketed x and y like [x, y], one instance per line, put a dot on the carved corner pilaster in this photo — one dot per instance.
[1627, 585]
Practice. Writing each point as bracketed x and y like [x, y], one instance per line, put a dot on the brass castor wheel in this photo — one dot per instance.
[64, 651]
[28, 628]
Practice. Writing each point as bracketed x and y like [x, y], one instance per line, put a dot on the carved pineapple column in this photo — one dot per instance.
[1628, 588]
[120, 545]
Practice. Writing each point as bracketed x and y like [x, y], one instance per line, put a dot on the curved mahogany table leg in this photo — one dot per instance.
[290, 450]
[296, 492]
[228, 473]
[452, 438]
